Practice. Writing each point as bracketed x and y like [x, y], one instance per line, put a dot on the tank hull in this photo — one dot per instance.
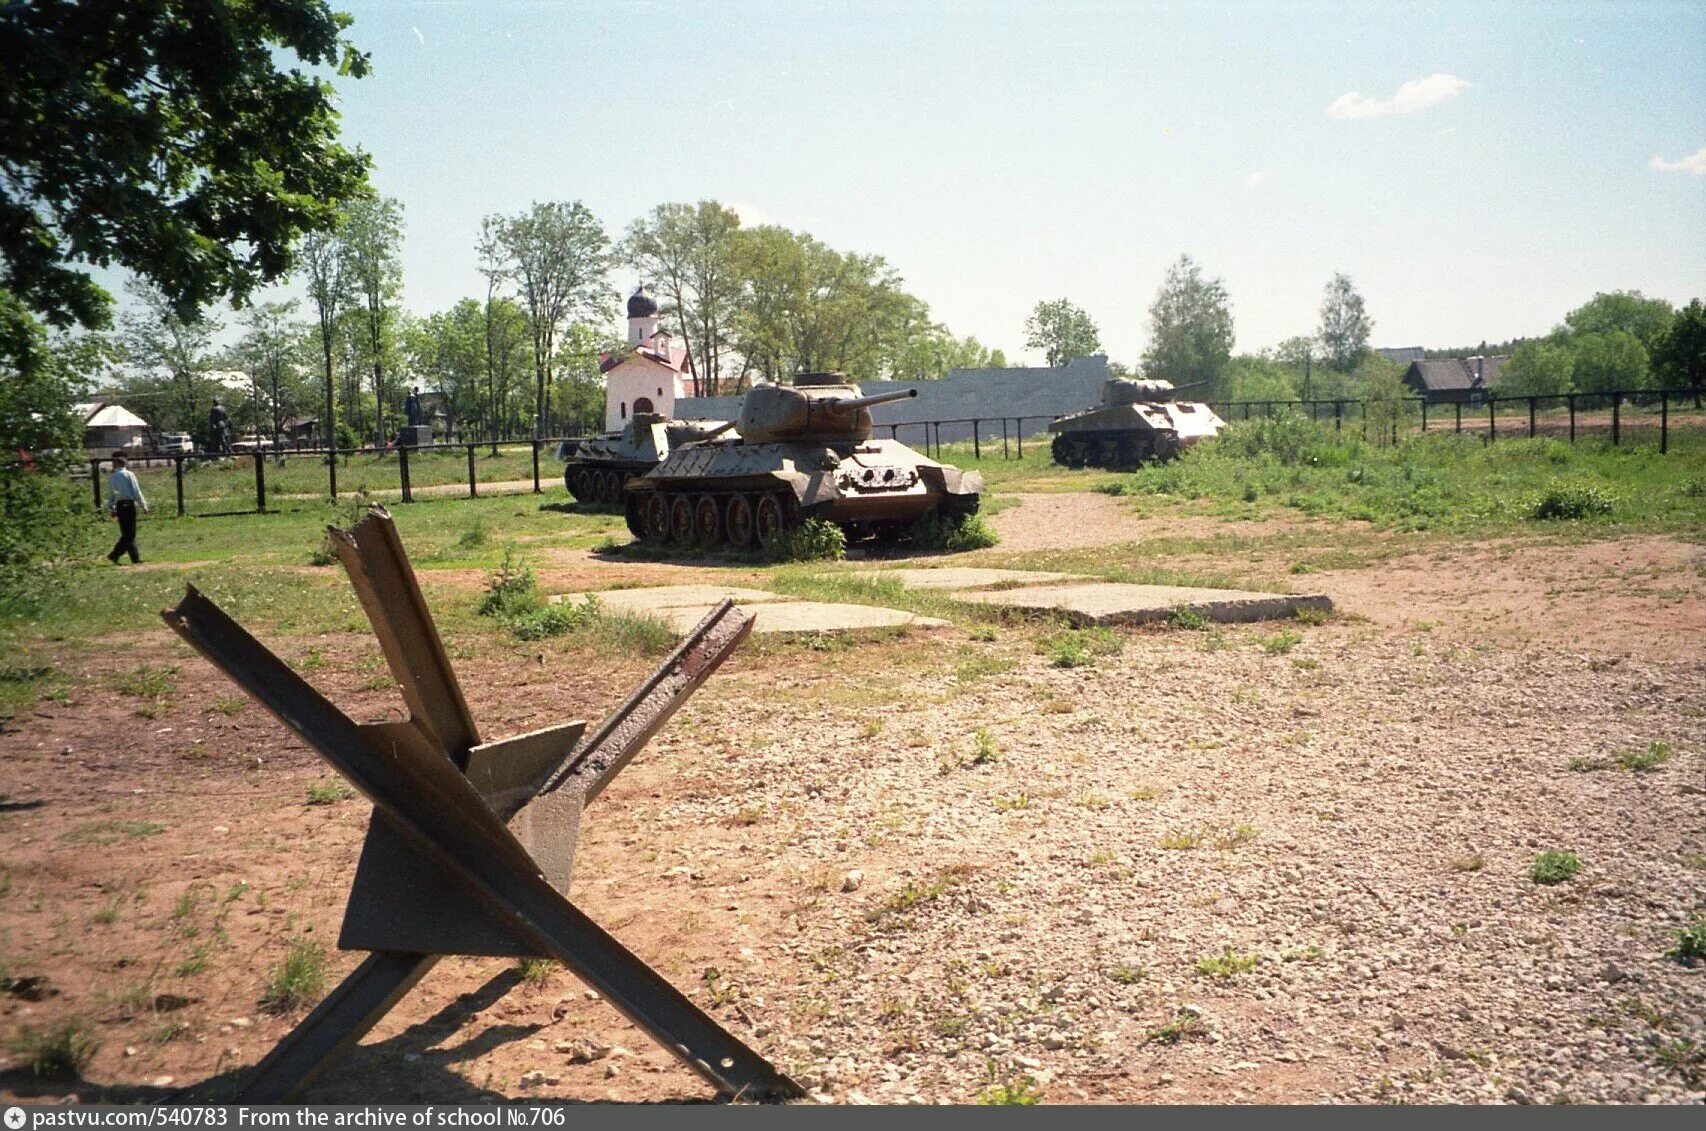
[596, 471]
[738, 493]
[1125, 436]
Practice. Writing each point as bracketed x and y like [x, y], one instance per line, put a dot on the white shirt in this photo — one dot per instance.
[122, 484]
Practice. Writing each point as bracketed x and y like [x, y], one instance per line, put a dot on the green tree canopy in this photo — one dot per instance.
[1540, 367]
[1605, 362]
[1345, 325]
[1680, 358]
[163, 135]
[1190, 329]
[1646, 319]
[1062, 331]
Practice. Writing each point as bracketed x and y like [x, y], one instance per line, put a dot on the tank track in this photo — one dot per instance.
[741, 519]
[1121, 451]
[597, 486]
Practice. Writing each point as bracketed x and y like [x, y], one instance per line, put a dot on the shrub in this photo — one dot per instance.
[511, 588]
[933, 532]
[1228, 964]
[544, 621]
[814, 540]
[299, 979]
[329, 793]
[1570, 503]
[61, 1052]
[1183, 617]
[1554, 867]
[1690, 945]
[1079, 647]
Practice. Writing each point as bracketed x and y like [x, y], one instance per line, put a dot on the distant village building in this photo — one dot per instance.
[651, 375]
[1404, 354]
[1038, 394]
[1454, 380]
[109, 426]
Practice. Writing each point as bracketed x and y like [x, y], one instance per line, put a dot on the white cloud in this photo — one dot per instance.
[1694, 164]
[1412, 98]
[1255, 178]
[751, 216]
[418, 35]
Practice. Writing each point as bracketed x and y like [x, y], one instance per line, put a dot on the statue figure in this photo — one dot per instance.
[219, 429]
[412, 407]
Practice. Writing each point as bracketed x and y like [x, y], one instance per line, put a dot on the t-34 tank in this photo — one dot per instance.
[1137, 422]
[596, 470]
[804, 451]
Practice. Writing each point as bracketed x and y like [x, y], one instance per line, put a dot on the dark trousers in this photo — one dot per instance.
[126, 512]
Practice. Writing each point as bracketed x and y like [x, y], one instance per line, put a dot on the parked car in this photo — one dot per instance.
[175, 444]
[252, 444]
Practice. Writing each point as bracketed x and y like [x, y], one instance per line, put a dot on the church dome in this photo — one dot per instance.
[640, 304]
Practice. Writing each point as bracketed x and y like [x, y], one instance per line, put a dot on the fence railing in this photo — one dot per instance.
[408, 474]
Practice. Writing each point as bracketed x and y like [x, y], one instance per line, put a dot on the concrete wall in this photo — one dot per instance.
[1039, 395]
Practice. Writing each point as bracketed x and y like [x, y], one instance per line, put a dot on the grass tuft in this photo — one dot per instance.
[298, 980]
[60, 1052]
[1554, 867]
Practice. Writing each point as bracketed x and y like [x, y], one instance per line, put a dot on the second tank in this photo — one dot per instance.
[1137, 422]
[804, 451]
[597, 470]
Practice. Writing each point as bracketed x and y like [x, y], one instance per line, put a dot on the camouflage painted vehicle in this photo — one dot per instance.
[1137, 422]
[596, 470]
[804, 451]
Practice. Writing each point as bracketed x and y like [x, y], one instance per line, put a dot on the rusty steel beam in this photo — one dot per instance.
[429, 806]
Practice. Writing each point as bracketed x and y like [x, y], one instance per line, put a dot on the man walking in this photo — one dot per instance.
[124, 495]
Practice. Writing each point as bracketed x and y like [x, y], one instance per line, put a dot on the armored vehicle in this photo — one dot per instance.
[804, 451]
[595, 470]
[1137, 421]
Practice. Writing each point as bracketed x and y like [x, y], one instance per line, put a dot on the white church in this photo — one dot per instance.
[651, 375]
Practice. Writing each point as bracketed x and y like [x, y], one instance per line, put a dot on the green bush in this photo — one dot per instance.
[544, 621]
[1690, 945]
[1570, 503]
[511, 589]
[814, 540]
[1554, 867]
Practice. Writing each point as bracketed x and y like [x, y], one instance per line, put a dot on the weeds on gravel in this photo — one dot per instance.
[814, 540]
[148, 681]
[103, 833]
[57, 1053]
[1181, 841]
[1126, 975]
[1554, 867]
[1187, 618]
[1686, 1058]
[1281, 642]
[1630, 761]
[535, 972]
[915, 894]
[1468, 862]
[1226, 965]
[329, 793]
[970, 533]
[1079, 647]
[1690, 947]
[297, 980]
[1006, 1090]
[1185, 1023]
[1237, 835]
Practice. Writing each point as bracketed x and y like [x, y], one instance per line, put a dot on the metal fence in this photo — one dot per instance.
[202, 484]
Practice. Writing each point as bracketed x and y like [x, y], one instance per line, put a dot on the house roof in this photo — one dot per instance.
[1402, 353]
[1440, 374]
[114, 416]
[666, 353]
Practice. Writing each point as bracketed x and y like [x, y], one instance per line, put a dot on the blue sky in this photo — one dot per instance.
[1000, 153]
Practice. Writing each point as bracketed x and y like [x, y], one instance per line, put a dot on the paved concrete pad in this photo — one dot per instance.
[1113, 603]
[657, 598]
[683, 606]
[966, 577]
[804, 616]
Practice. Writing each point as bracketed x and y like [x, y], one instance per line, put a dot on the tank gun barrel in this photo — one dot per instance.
[719, 430]
[873, 399]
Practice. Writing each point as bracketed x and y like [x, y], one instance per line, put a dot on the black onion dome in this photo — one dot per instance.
[640, 304]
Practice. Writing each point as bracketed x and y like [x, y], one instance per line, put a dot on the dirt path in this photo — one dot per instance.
[1079, 520]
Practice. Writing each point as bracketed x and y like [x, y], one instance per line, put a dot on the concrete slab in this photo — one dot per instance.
[657, 598]
[966, 577]
[1115, 603]
[805, 616]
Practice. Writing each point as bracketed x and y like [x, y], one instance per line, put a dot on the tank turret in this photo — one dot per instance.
[816, 408]
[1128, 390]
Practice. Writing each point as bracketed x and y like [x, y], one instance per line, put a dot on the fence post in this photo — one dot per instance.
[1424, 414]
[1531, 403]
[1664, 422]
[938, 440]
[472, 491]
[95, 481]
[536, 467]
[1019, 427]
[1616, 418]
[1492, 419]
[1571, 398]
[1458, 405]
[1338, 415]
[894, 432]
[403, 473]
[260, 482]
[976, 441]
[1004, 438]
[178, 474]
[332, 469]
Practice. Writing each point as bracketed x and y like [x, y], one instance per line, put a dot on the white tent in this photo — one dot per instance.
[114, 426]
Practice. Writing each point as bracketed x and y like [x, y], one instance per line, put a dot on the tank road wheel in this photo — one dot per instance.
[681, 519]
[1167, 446]
[580, 484]
[611, 486]
[656, 516]
[708, 520]
[740, 521]
[1068, 451]
[635, 515]
[771, 517]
